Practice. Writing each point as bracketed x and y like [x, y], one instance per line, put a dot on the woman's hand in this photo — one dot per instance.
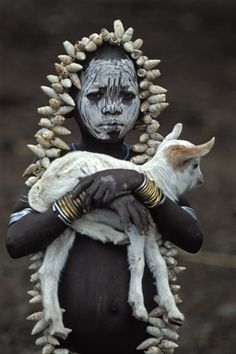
[103, 186]
[132, 212]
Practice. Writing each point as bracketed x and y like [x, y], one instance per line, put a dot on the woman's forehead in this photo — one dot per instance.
[99, 72]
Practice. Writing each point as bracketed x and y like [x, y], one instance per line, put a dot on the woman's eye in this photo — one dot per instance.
[128, 96]
[95, 96]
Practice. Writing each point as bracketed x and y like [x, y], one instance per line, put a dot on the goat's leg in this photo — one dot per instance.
[159, 270]
[136, 266]
[54, 261]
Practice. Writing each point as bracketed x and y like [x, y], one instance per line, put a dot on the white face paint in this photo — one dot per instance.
[109, 102]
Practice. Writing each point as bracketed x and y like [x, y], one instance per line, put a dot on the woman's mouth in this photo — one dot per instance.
[111, 126]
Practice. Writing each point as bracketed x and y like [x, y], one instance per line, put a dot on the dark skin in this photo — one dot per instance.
[94, 283]
[181, 228]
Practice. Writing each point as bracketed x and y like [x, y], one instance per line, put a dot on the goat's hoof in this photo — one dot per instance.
[140, 314]
[176, 318]
[61, 333]
[139, 310]
[176, 321]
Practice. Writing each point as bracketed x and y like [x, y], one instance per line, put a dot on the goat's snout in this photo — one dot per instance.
[200, 179]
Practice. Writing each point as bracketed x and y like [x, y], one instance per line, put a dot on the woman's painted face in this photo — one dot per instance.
[109, 102]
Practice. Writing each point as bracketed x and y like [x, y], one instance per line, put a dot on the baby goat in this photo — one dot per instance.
[174, 168]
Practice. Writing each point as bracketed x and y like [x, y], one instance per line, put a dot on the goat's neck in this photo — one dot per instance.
[158, 170]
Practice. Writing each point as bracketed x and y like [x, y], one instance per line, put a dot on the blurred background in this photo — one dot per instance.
[195, 39]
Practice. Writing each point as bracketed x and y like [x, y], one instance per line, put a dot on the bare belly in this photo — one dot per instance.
[94, 290]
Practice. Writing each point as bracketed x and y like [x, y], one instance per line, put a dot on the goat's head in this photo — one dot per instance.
[181, 161]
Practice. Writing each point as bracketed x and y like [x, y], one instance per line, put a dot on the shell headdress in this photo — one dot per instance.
[49, 146]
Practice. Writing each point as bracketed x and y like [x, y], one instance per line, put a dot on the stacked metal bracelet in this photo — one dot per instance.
[68, 209]
[149, 193]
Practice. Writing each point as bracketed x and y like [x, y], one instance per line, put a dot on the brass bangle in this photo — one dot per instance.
[77, 201]
[148, 188]
[57, 209]
[72, 206]
[63, 208]
[63, 205]
[69, 209]
[144, 188]
[78, 205]
[149, 193]
[152, 202]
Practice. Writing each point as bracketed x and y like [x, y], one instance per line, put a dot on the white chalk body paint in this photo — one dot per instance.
[111, 112]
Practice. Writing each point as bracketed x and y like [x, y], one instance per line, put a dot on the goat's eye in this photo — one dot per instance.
[195, 165]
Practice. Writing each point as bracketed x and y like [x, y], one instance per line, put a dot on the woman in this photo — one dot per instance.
[94, 284]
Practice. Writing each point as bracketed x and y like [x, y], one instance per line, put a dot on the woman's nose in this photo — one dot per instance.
[112, 108]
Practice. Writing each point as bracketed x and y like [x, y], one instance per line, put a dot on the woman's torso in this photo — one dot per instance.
[94, 291]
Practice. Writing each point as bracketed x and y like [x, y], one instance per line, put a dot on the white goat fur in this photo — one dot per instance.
[104, 224]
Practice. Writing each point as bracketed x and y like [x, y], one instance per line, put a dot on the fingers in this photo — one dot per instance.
[134, 217]
[132, 212]
[150, 220]
[119, 206]
[81, 186]
[145, 217]
[107, 197]
[89, 196]
[140, 216]
[97, 192]
[124, 214]
[103, 196]
[98, 195]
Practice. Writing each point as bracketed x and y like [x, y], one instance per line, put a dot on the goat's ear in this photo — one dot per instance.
[179, 155]
[199, 150]
[175, 132]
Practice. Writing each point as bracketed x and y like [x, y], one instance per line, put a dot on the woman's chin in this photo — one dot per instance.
[114, 137]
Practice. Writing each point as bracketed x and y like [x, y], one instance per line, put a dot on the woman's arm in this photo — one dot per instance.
[35, 231]
[30, 231]
[178, 224]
